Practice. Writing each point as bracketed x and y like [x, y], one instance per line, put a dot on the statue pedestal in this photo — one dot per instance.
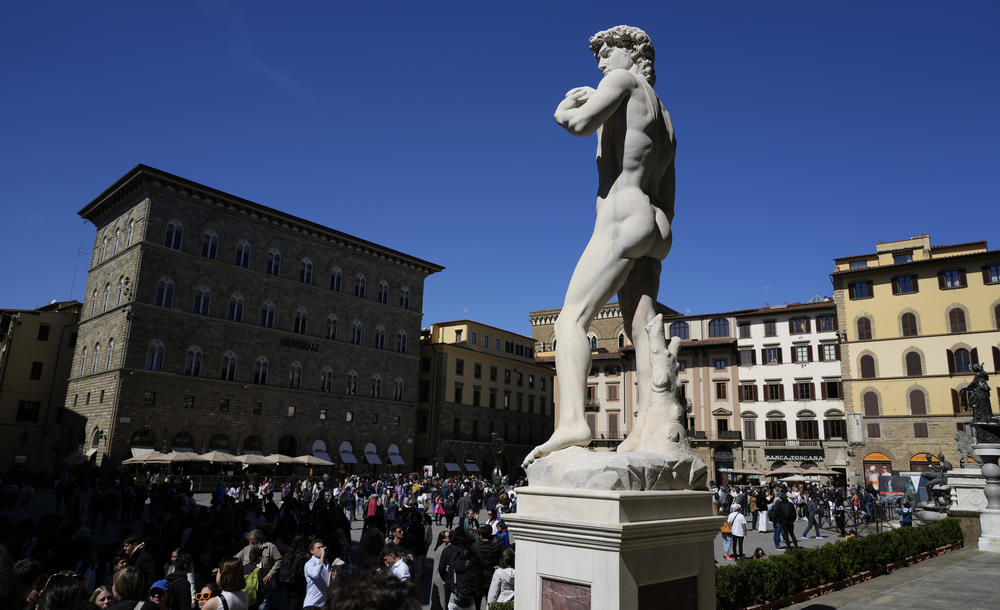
[989, 517]
[967, 499]
[589, 549]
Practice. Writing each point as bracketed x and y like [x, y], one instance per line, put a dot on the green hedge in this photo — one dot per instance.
[754, 581]
[501, 606]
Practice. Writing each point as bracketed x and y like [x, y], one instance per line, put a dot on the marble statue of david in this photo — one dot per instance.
[635, 206]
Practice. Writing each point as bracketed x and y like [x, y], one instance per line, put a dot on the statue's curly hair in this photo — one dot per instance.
[635, 40]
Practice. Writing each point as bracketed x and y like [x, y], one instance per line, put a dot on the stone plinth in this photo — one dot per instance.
[967, 499]
[614, 549]
[576, 468]
[989, 517]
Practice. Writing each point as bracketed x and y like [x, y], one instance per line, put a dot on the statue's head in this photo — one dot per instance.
[633, 39]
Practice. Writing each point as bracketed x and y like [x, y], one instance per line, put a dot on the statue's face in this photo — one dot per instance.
[613, 58]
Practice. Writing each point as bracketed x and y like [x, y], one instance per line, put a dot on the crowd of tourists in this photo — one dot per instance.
[777, 508]
[144, 543]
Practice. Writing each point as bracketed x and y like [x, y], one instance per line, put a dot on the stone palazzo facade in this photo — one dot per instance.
[215, 323]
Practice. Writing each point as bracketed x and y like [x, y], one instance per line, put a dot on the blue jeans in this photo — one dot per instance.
[777, 534]
[813, 524]
[727, 543]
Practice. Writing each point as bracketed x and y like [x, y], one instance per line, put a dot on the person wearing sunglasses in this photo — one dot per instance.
[159, 594]
[207, 592]
[231, 583]
[62, 591]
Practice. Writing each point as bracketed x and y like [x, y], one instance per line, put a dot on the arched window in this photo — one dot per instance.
[267, 315]
[864, 329]
[118, 240]
[295, 376]
[677, 329]
[243, 251]
[121, 289]
[260, 371]
[111, 349]
[192, 363]
[383, 292]
[202, 300]
[401, 342]
[164, 293]
[867, 367]
[352, 383]
[175, 230]
[914, 367]
[379, 338]
[301, 319]
[592, 340]
[718, 328]
[306, 271]
[376, 387]
[131, 232]
[918, 402]
[996, 316]
[870, 400]
[210, 245]
[359, 286]
[83, 362]
[908, 322]
[219, 442]
[963, 363]
[93, 302]
[335, 277]
[326, 379]
[956, 320]
[404, 298]
[97, 357]
[182, 441]
[154, 355]
[107, 296]
[235, 313]
[273, 265]
[357, 333]
[400, 389]
[621, 340]
[228, 372]
[104, 249]
[331, 326]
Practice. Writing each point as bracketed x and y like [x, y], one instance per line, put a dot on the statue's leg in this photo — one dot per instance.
[637, 298]
[597, 276]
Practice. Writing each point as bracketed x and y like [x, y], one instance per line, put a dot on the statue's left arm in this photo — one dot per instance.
[584, 109]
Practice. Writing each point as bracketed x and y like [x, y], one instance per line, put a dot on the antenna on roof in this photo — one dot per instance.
[76, 262]
[767, 299]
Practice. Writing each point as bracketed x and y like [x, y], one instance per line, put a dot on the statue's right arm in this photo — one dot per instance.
[581, 114]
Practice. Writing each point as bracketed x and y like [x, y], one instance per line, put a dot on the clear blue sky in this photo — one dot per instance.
[806, 131]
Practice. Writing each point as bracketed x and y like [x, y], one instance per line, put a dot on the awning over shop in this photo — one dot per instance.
[323, 455]
[396, 459]
[452, 467]
[90, 453]
[373, 458]
[137, 451]
[472, 467]
[348, 458]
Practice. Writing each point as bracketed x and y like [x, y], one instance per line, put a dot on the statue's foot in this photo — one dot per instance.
[577, 435]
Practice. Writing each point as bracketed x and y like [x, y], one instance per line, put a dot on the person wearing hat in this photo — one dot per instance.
[738, 523]
[159, 594]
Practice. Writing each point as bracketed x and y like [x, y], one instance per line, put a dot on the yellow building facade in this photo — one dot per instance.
[913, 319]
[483, 400]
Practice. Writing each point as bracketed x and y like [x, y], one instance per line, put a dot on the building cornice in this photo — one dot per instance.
[144, 178]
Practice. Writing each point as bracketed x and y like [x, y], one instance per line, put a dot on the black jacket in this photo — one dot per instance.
[488, 553]
[786, 512]
[464, 578]
[180, 591]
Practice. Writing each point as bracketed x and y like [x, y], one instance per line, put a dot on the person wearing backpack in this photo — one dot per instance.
[291, 574]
